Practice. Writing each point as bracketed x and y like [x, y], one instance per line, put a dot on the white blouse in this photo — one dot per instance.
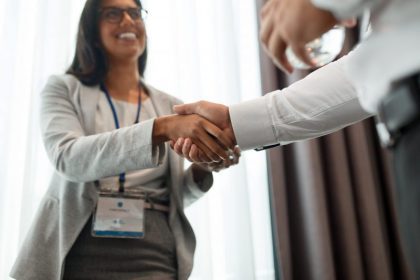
[151, 181]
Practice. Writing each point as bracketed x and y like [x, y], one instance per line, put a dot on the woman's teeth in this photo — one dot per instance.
[128, 35]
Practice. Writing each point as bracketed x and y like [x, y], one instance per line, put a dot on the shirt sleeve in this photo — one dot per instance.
[345, 9]
[322, 102]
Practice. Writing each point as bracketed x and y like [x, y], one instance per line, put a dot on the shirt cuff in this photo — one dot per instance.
[252, 125]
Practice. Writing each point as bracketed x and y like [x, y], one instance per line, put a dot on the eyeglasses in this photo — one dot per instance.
[115, 14]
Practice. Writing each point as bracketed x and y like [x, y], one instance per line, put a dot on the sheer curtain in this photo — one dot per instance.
[203, 49]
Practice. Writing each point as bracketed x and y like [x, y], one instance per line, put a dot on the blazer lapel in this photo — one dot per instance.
[89, 98]
[161, 105]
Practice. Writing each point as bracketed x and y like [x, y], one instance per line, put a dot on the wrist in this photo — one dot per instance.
[160, 131]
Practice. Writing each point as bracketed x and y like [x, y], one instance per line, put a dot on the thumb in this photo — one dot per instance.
[349, 23]
[186, 109]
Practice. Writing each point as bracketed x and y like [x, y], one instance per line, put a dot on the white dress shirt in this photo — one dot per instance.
[332, 97]
[149, 180]
[322, 102]
[390, 52]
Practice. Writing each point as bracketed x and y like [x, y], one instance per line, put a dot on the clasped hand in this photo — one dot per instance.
[221, 135]
[187, 149]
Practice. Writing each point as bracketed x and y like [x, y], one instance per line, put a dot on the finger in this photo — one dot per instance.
[186, 148]
[267, 23]
[277, 51]
[203, 157]
[203, 134]
[172, 144]
[266, 30]
[266, 8]
[301, 52]
[178, 146]
[349, 23]
[213, 148]
[265, 35]
[186, 109]
[210, 156]
[214, 138]
[231, 161]
[237, 155]
[217, 133]
[235, 161]
[237, 151]
[271, 39]
[194, 154]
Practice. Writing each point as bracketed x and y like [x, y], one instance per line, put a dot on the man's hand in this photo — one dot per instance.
[218, 114]
[188, 150]
[210, 139]
[292, 23]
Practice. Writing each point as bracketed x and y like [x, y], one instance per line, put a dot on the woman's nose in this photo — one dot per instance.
[126, 19]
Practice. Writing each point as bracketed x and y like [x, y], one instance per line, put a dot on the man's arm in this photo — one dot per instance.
[321, 103]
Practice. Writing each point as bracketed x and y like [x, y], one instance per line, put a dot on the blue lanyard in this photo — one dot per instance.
[117, 125]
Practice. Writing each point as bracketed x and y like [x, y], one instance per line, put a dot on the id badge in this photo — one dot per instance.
[119, 216]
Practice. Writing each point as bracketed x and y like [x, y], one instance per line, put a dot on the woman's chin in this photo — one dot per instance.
[128, 55]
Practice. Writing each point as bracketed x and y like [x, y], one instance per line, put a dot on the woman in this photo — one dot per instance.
[105, 130]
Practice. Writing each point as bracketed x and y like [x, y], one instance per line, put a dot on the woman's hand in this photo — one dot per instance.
[187, 149]
[212, 143]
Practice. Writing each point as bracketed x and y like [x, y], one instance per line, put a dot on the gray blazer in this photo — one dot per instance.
[80, 157]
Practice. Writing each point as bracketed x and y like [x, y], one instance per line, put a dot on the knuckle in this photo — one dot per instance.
[195, 130]
[200, 105]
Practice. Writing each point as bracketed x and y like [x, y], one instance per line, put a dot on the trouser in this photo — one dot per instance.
[407, 172]
[399, 128]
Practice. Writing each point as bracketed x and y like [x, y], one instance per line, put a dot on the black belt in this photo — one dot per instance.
[399, 110]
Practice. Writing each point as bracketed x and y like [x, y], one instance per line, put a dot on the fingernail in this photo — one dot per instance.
[230, 154]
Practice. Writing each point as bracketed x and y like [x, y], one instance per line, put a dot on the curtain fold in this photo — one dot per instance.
[333, 217]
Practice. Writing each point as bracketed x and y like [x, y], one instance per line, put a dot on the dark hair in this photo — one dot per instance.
[89, 63]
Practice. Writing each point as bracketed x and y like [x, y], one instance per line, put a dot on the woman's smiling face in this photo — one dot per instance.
[122, 30]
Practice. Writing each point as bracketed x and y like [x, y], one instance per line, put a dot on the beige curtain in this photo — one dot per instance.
[332, 201]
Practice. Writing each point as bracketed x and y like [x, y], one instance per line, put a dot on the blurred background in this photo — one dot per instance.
[205, 49]
[319, 209]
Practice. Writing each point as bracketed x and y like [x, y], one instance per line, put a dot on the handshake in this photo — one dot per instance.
[202, 133]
